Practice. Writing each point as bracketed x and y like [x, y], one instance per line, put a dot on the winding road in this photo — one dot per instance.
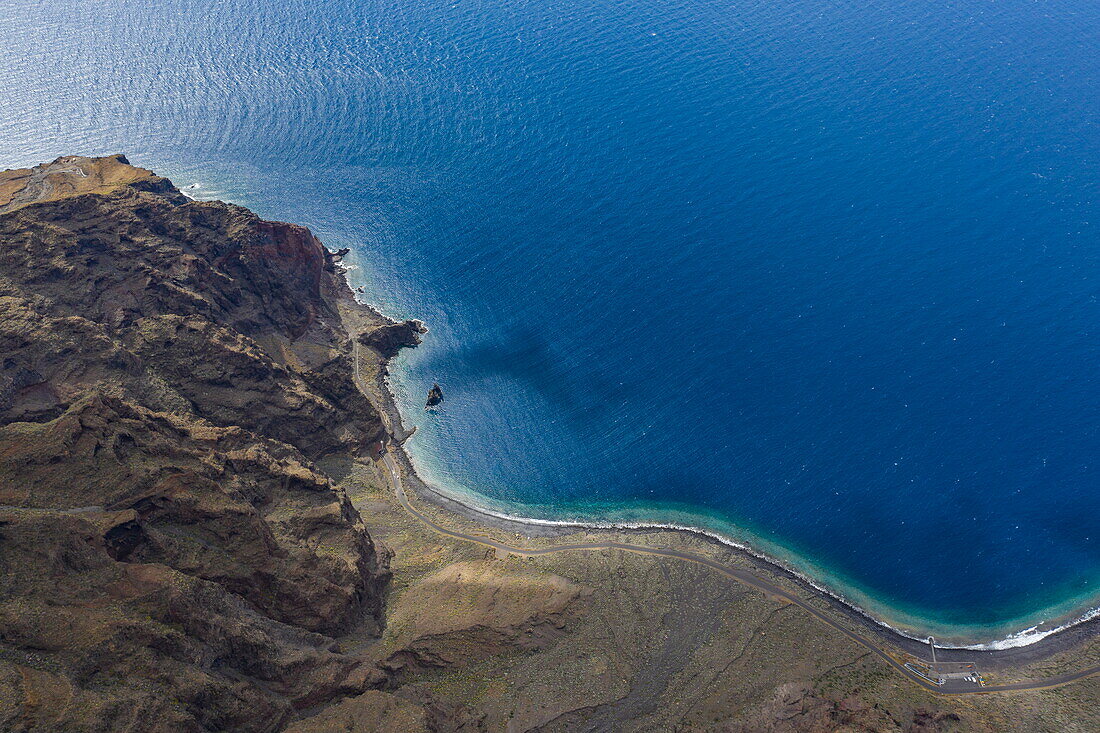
[951, 687]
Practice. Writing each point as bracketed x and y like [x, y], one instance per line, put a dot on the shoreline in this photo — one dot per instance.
[1026, 635]
[1015, 648]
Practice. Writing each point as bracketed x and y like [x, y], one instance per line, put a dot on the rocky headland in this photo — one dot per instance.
[169, 371]
[199, 529]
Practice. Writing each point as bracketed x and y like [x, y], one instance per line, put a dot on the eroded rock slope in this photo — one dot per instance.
[170, 559]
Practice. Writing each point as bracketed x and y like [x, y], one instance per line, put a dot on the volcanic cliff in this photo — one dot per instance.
[170, 558]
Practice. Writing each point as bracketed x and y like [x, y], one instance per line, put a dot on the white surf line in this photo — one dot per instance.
[1024, 637]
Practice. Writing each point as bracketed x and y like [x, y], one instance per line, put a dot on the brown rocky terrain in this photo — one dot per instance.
[168, 370]
[197, 534]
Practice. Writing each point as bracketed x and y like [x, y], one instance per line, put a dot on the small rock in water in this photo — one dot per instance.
[435, 396]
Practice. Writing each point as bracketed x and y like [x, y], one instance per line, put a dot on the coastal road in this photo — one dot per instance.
[952, 687]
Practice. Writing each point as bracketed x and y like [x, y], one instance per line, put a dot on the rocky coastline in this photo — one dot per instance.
[198, 532]
[171, 371]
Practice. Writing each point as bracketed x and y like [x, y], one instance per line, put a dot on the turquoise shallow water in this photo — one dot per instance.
[818, 275]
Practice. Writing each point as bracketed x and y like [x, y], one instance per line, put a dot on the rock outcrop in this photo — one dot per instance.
[170, 558]
[435, 396]
[389, 339]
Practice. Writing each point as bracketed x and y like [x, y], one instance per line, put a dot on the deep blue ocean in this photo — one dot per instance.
[822, 275]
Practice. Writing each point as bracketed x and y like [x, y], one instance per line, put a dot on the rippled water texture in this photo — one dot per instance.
[823, 275]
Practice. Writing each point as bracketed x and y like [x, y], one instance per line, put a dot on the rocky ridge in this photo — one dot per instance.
[169, 369]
